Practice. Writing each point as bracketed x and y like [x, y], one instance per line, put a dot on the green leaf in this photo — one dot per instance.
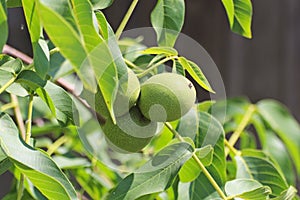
[286, 127]
[288, 194]
[5, 164]
[196, 73]
[3, 25]
[101, 4]
[188, 124]
[167, 51]
[155, 176]
[191, 170]
[259, 167]
[70, 163]
[247, 189]
[36, 165]
[103, 25]
[65, 110]
[39, 46]
[204, 106]
[14, 3]
[30, 80]
[210, 133]
[239, 14]
[229, 7]
[167, 19]
[13, 66]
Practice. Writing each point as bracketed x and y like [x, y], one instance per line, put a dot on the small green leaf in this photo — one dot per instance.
[167, 19]
[101, 4]
[3, 25]
[284, 124]
[36, 165]
[155, 176]
[229, 7]
[196, 73]
[191, 170]
[30, 80]
[103, 25]
[65, 110]
[247, 189]
[167, 51]
[12, 66]
[5, 164]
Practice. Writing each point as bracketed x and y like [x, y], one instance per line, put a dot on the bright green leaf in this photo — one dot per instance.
[167, 19]
[288, 194]
[3, 25]
[229, 7]
[167, 51]
[37, 166]
[196, 73]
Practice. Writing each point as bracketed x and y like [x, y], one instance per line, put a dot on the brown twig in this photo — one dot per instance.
[64, 84]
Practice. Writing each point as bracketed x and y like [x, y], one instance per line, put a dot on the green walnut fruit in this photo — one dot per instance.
[166, 97]
[124, 100]
[131, 133]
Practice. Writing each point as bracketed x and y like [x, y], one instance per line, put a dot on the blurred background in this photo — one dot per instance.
[267, 66]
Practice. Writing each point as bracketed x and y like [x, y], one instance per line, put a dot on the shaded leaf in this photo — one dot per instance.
[70, 163]
[30, 80]
[284, 124]
[288, 194]
[5, 164]
[262, 169]
[155, 176]
[38, 167]
[13, 66]
[39, 46]
[167, 19]
[65, 109]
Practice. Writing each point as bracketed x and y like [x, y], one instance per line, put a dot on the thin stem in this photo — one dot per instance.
[7, 84]
[155, 66]
[57, 144]
[54, 50]
[29, 120]
[132, 65]
[7, 106]
[126, 18]
[231, 148]
[18, 115]
[198, 161]
[237, 133]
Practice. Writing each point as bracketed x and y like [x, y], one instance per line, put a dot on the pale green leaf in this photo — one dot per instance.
[70, 163]
[37, 166]
[101, 4]
[155, 176]
[242, 18]
[247, 189]
[167, 19]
